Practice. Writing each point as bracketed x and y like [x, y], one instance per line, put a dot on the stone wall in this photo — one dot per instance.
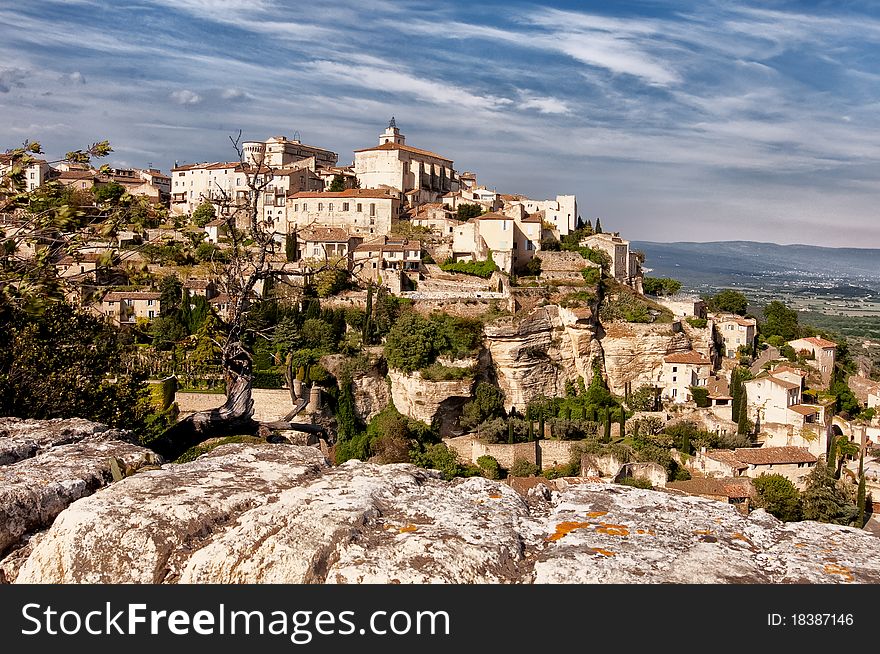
[269, 404]
[544, 453]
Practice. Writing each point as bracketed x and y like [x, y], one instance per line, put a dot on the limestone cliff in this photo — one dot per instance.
[536, 354]
[274, 513]
[370, 390]
[425, 400]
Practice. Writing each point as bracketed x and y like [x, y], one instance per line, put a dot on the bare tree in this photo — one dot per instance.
[255, 257]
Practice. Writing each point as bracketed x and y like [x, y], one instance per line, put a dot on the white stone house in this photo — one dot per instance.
[793, 463]
[681, 371]
[822, 353]
[735, 332]
[358, 211]
[125, 307]
[561, 212]
[321, 244]
[385, 259]
[625, 266]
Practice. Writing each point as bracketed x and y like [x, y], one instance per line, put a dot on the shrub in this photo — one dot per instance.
[487, 403]
[533, 267]
[700, 395]
[661, 286]
[498, 430]
[203, 214]
[778, 496]
[438, 372]
[698, 323]
[523, 468]
[468, 211]
[592, 275]
[482, 269]
[636, 483]
[550, 244]
[489, 467]
[268, 379]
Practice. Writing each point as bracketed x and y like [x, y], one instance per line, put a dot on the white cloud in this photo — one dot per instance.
[233, 94]
[11, 78]
[75, 77]
[185, 97]
[544, 104]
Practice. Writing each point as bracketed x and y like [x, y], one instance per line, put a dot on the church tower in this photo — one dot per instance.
[392, 134]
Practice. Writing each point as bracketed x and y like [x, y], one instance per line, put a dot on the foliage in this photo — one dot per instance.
[779, 320]
[778, 496]
[728, 301]
[500, 430]
[626, 307]
[635, 482]
[330, 281]
[482, 269]
[487, 403]
[591, 275]
[468, 211]
[523, 468]
[439, 457]
[701, 396]
[109, 193]
[644, 398]
[846, 402]
[438, 372]
[489, 467]
[203, 214]
[826, 499]
[337, 185]
[697, 323]
[661, 286]
[415, 342]
[63, 362]
[550, 244]
[533, 267]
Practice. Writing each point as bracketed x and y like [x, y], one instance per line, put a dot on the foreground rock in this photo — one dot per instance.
[47, 465]
[271, 513]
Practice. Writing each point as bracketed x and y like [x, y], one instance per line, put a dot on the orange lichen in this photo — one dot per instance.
[599, 550]
[835, 569]
[612, 530]
[564, 528]
[703, 532]
[649, 532]
[800, 544]
[408, 529]
[596, 514]
[494, 496]
[739, 536]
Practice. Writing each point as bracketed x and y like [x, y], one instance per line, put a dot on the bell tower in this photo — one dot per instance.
[392, 134]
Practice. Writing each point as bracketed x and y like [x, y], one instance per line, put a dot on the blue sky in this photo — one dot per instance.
[669, 120]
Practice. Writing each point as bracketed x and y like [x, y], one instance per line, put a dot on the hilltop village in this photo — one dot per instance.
[405, 311]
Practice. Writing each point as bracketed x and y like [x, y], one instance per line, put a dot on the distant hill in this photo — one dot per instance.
[723, 264]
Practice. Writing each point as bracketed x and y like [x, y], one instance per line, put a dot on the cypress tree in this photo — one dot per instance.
[743, 420]
[365, 335]
[531, 431]
[510, 431]
[734, 394]
[832, 456]
[861, 496]
[598, 229]
[607, 426]
[541, 427]
[622, 422]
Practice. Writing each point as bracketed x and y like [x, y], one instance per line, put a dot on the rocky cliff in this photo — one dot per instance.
[275, 513]
[425, 400]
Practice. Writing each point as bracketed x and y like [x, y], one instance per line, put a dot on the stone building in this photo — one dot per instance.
[625, 266]
[561, 213]
[420, 176]
[734, 332]
[125, 307]
[681, 371]
[358, 211]
[821, 354]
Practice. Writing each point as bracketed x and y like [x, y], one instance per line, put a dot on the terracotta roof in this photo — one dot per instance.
[209, 165]
[719, 388]
[804, 409]
[115, 296]
[406, 148]
[493, 215]
[739, 320]
[390, 246]
[197, 283]
[222, 298]
[691, 357]
[787, 368]
[780, 382]
[217, 222]
[726, 457]
[774, 455]
[736, 487]
[347, 193]
[324, 235]
[818, 342]
[77, 174]
[84, 257]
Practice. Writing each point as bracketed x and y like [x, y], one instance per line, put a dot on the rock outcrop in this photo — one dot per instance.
[47, 465]
[425, 400]
[537, 354]
[370, 390]
[274, 513]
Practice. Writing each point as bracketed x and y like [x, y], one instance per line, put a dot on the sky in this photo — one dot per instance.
[671, 121]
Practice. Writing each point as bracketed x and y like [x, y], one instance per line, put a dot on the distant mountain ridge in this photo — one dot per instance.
[732, 263]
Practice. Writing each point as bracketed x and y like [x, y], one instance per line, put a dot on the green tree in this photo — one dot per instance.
[203, 214]
[337, 185]
[533, 267]
[825, 498]
[598, 229]
[487, 403]
[489, 466]
[744, 424]
[290, 247]
[468, 211]
[411, 343]
[661, 286]
[110, 193]
[779, 497]
[728, 301]
[861, 498]
[780, 320]
[523, 468]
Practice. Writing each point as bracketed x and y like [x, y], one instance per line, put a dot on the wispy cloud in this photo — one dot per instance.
[185, 96]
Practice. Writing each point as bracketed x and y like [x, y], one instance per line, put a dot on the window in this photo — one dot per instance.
[674, 368]
[305, 207]
[372, 210]
[296, 207]
[152, 314]
[529, 245]
[504, 225]
[674, 379]
[359, 207]
[238, 182]
[345, 206]
[33, 175]
[674, 392]
[372, 221]
[320, 206]
[330, 206]
[150, 303]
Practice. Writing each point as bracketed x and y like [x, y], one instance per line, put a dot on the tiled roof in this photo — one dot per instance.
[115, 296]
[197, 283]
[406, 148]
[818, 342]
[787, 368]
[324, 235]
[726, 457]
[217, 222]
[77, 174]
[773, 455]
[736, 487]
[690, 357]
[222, 298]
[781, 382]
[804, 409]
[493, 215]
[84, 257]
[739, 320]
[347, 193]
